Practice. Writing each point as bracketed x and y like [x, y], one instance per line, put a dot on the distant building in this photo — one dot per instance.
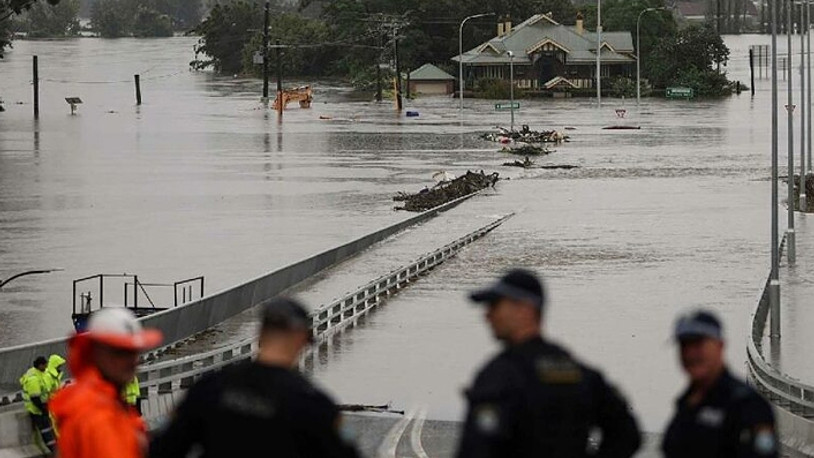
[549, 55]
[431, 80]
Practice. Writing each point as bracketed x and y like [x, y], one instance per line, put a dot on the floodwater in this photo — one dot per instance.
[200, 180]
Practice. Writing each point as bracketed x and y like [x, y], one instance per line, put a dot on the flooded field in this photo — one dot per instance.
[200, 180]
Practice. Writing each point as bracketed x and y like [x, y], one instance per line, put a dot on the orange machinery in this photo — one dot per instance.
[303, 95]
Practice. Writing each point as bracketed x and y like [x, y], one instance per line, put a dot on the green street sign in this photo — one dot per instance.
[507, 106]
[680, 93]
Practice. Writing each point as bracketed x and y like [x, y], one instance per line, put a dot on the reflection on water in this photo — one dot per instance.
[202, 180]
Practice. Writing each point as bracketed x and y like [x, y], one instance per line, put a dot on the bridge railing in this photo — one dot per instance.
[179, 373]
[192, 318]
[167, 376]
[783, 390]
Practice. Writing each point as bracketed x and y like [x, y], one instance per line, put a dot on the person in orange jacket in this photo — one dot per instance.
[93, 419]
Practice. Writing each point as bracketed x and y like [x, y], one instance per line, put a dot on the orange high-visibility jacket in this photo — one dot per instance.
[92, 418]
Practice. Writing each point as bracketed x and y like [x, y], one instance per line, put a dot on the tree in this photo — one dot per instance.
[687, 58]
[8, 9]
[151, 23]
[292, 29]
[52, 21]
[224, 34]
[112, 18]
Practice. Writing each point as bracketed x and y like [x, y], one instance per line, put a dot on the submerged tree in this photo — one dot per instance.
[52, 21]
[224, 34]
[689, 58]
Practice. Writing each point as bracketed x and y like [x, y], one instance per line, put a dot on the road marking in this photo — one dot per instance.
[415, 433]
[387, 449]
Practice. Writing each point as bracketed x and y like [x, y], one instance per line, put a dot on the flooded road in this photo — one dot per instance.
[200, 180]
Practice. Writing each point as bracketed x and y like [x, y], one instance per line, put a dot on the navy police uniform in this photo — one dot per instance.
[535, 400]
[731, 421]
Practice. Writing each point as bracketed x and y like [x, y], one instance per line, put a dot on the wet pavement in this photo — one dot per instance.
[796, 301]
[201, 180]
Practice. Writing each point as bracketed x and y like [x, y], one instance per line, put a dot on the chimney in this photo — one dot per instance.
[580, 27]
[507, 26]
[500, 30]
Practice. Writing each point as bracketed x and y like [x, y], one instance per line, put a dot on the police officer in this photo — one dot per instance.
[35, 397]
[259, 408]
[534, 399]
[718, 415]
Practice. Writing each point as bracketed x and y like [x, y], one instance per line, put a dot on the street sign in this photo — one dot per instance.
[507, 106]
[680, 93]
[790, 108]
[257, 58]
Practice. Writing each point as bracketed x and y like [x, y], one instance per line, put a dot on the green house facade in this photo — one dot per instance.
[549, 55]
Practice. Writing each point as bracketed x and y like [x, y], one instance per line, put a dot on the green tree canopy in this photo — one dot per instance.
[687, 58]
[224, 34]
[52, 21]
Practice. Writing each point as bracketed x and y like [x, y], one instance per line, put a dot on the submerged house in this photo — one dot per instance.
[549, 56]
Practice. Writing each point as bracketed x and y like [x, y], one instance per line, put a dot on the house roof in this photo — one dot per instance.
[540, 29]
[694, 9]
[429, 72]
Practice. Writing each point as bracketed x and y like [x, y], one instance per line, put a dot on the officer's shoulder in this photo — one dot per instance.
[744, 395]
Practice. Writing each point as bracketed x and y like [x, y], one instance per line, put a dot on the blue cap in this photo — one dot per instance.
[697, 325]
[518, 284]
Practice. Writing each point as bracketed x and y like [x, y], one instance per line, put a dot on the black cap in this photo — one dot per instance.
[519, 284]
[40, 360]
[285, 314]
[697, 325]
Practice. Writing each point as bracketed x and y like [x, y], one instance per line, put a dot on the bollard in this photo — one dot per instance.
[137, 79]
[752, 69]
[36, 88]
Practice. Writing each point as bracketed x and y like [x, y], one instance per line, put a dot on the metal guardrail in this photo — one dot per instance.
[188, 320]
[167, 376]
[783, 390]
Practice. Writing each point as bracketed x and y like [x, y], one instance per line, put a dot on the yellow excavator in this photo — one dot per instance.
[303, 95]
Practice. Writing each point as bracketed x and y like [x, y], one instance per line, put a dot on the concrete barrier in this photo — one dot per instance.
[187, 320]
[16, 435]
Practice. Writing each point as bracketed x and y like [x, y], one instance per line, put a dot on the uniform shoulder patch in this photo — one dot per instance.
[557, 370]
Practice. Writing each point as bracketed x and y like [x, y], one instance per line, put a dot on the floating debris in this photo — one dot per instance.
[528, 150]
[446, 191]
[525, 163]
[525, 135]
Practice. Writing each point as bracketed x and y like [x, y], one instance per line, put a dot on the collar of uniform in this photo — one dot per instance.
[714, 394]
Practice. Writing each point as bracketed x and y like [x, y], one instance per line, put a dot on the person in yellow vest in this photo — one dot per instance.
[35, 396]
[54, 373]
[132, 394]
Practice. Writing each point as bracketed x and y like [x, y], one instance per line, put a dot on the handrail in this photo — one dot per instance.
[327, 319]
[777, 386]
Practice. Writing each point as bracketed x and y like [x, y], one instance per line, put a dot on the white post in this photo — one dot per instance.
[598, 52]
[511, 87]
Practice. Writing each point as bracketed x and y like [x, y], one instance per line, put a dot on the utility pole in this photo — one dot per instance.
[598, 52]
[399, 103]
[379, 72]
[791, 251]
[803, 110]
[774, 277]
[266, 53]
[280, 105]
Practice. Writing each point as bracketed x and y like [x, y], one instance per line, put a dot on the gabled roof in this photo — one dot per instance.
[429, 72]
[540, 30]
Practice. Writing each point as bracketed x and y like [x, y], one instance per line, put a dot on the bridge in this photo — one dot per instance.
[167, 372]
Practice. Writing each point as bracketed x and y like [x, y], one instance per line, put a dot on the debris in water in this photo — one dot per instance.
[446, 191]
[528, 150]
[525, 135]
